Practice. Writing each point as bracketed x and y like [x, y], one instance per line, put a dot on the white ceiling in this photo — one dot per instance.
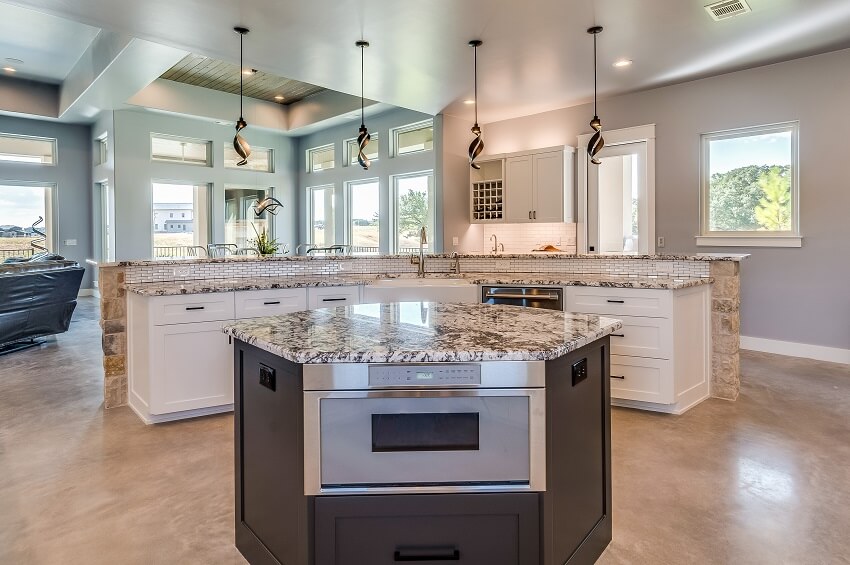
[49, 46]
[536, 54]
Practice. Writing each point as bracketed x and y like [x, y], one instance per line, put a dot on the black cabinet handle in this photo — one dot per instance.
[333, 299]
[426, 554]
[270, 302]
[617, 301]
[618, 335]
[194, 307]
[529, 214]
[621, 377]
[535, 214]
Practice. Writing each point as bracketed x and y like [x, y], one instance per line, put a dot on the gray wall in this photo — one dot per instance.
[798, 295]
[134, 171]
[72, 176]
[382, 169]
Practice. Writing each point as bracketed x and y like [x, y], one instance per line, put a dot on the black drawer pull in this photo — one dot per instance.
[270, 302]
[621, 377]
[333, 299]
[426, 554]
[618, 335]
[194, 307]
[617, 301]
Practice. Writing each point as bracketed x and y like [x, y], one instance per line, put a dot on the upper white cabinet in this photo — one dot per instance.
[537, 187]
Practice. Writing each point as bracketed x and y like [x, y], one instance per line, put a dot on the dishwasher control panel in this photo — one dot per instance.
[426, 375]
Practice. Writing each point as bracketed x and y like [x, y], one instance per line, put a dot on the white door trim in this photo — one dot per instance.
[635, 134]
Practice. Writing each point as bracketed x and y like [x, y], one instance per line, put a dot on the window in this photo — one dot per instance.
[261, 159]
[413, 207]
[101, 150]
[749, 189]
[371, 149]
[363, 216]
[25, 149]
[414, 138]
[180, 150]
[240, 221]
[25, 220]
[321, 158]
[177, 238]
[321, 214]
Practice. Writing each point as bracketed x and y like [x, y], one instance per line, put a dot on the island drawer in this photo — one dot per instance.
[330, 296]
[496, 529]
[273, 302]
[189, 308]
[647, 380]
[619, 301]
[641, 336]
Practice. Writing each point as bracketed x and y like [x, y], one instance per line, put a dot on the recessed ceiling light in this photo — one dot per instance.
[469, 101]
[623, 63]
[10, 69]
[279, 97]
[249, 71]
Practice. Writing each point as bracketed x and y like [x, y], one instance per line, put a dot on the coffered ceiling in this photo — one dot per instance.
[214, 74]
[536, 55]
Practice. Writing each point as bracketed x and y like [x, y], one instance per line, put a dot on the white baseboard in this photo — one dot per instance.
[793, 349]
[88, 292]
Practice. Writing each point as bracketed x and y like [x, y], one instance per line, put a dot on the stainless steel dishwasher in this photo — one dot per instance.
[528, 296]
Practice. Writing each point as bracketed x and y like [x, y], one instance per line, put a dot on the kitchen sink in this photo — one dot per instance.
[417, 282]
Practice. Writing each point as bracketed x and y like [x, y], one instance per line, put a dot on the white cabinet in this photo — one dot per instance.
[519, 189]
[330, 296]
[660, 359]
[272, 302]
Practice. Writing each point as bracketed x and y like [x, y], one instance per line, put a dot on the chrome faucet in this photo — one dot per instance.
[455, 266]
[420, 261]
[495, 241]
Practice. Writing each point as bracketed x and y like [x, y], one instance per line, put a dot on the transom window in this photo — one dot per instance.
[750, 187]
[261, 159]
[413, 138]
[371, 149]
[26, 149]
[321, 158]
[180, 150]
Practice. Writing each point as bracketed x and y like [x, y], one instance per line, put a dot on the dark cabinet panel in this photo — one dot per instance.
[477, 529]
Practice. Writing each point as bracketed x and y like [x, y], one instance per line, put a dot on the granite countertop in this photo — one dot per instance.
[205, 286]
[422, 332]
[245, 259]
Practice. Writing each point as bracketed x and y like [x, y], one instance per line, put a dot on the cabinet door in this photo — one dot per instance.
[330, 296]
[548, 186]
[272, 302]
[519, 189]
[191, 367]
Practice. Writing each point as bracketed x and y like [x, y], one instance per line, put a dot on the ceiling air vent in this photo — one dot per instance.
[726, 9]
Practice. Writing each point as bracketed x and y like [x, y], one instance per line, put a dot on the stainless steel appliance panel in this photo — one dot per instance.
[528, 296]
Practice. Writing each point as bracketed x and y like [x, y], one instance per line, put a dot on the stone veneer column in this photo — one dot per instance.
[725, 329]
[113, 322]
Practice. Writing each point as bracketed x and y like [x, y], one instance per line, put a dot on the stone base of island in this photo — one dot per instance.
[385, 433]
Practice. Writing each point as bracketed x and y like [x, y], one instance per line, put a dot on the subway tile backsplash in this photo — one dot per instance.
[671, 268]
[523, 238]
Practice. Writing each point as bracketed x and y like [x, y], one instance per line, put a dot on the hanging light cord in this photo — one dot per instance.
[475, 82]
[595, 67]
[362, 89]
[477, 145]
[241, 73]
[242, 147]
[363, 135]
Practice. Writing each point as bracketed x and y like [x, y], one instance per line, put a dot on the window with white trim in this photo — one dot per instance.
[413, 138]
[363, 216]
[260, 159]
[27, 149]
[412, 208]
[321, 158]
[749, 186]
[371, 149]
[172, 149]
[320, 203]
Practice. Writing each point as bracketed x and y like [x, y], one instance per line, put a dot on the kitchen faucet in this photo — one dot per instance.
[420, 261]
[495, 241]
[455, 266]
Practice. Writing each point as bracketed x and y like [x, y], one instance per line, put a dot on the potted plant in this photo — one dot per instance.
[264, 244]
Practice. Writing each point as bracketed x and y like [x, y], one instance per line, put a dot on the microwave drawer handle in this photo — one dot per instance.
[194, 307]
[523, 296]
[271, 302]
[427, 554]
[617, 301]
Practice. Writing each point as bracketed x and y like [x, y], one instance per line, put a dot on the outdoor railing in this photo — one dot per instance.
[6, 253]
[178, 251]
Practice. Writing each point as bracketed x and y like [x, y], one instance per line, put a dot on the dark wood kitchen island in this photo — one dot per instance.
[379, 434]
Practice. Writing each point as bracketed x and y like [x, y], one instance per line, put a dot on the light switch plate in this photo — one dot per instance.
[69, 242]
[660, 241]
[455, 241]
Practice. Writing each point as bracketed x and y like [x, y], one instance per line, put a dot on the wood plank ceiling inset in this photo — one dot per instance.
[206, 72]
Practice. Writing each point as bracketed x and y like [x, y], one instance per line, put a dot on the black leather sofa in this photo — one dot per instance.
[37, 299]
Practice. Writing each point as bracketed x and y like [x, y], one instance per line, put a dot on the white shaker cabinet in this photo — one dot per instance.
[661, 358]
[519, 189]
[330, 296]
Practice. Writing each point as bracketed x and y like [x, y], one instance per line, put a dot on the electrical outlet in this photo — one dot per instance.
[579, 369]
[267, 377]
[69, 242]
[455, 241]
[660, 241]
[181, 272]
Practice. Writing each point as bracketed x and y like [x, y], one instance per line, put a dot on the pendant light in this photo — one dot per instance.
[477, 145]
[596, 142]
[267, 204]
[363, 135]
[243, 149]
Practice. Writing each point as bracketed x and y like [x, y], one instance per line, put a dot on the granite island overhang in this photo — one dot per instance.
[380, 433]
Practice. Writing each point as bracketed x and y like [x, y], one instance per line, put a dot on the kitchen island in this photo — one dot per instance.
[385, 433]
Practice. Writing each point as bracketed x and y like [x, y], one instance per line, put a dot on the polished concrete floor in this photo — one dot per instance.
[763, 480]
